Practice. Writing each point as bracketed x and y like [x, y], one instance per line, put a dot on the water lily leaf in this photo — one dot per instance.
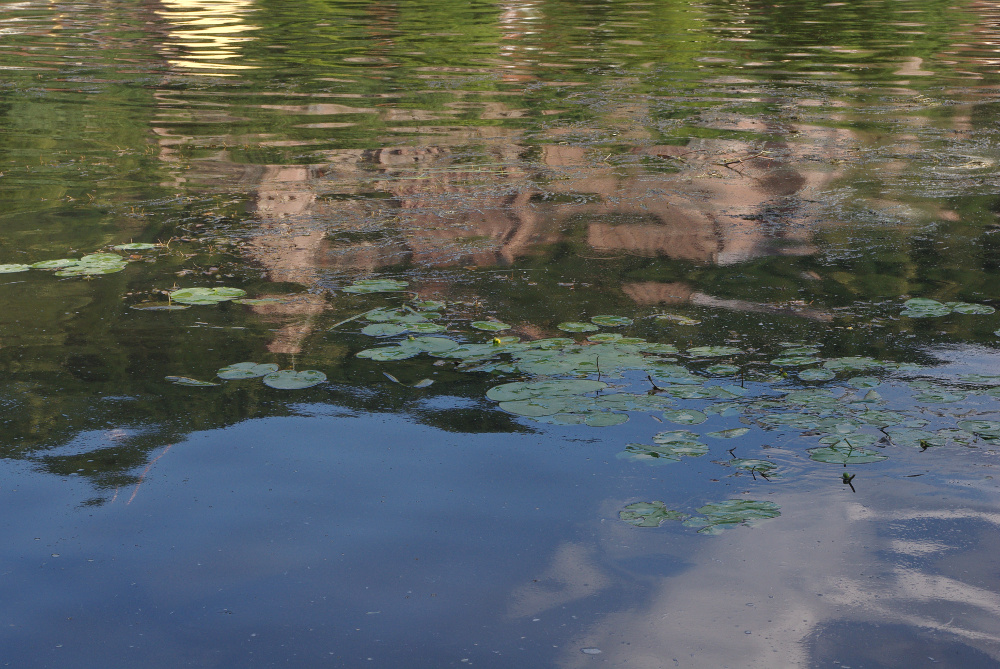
[649, 514]
[85, 269]
[136, 246]
[425, 328]
[881, 418]
[660, 349]
[187, 381]
[968, 308]
[765, 467]
[53, 264]
[160, 306]
[797, 421]
[522, 390]
[200, 295]
[246, 370]
[388, 353]
[845, 455]
[713, 351]
[490, 326]
[288, 379]
[851, 364]
[864, 382]
[384, 329]
[856, 440]
[800, 350]
[432, 345]
[606, 419]
[816, 375]
[365, 286]
[722, 370]
[611, 321]
[571, 326]
[651, 455]
[917, 438]
[940, 396]
[393, 315]
[730, 513]
[729, 434]
[670, 447]
[428, 305]
[987, 429]
[920, 307]
[685, 416]
[794, 361]
[540, 406]
[604, 336]
[554, 342]
[689, 392]
[680, 320]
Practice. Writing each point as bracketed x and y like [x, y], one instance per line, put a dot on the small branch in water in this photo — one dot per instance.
[730, 163]
[597, 361]
[653, 383]
[346, 320]
[145, 471]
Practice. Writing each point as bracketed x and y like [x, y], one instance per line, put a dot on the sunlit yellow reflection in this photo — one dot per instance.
[206, 33]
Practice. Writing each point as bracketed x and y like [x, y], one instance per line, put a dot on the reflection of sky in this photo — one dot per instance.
[208, 33]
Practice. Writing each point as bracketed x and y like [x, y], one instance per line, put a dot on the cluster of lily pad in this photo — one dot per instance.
[269, 373]
[922, 307]
[89, 265]
[602, 379]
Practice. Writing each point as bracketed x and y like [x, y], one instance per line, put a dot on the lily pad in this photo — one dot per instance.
[649, 514]
[730, 513]
[54, 264]
[188, 381]
[246, 370]
[522, 390]
[713, 351]
[987, 429]
[680, 320]
[577, 327]
[431, 345]
[365, 286]
[728, 434]
[685, 416]
[611, 321]
[864, 382]
[851, 363]
[429, 305]
[920, 307]
[606, 419]
[200, 295]
[288, 379]
[384, 330]
[388, 353]
[816, 375]
[845, 455]
[136, 246]
[969, 308]
[722, 370]
[490, 326]
[765, 467]
[914, 437]
[794, 361]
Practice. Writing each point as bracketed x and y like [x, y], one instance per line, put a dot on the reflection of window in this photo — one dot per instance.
[205, 33]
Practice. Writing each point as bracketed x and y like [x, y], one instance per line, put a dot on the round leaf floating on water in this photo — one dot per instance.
[288, 379]
[728, 434]
[816, 375]
[606, 419]
[685, 417]
[490, 326]
[969, 308]
[188, 381]
[845, 455]
[521, 390]
[572, 326]
[713, 351]
[376, 286]
[246, 370]
[384, 330]
[432, 345]
[722, 370]
[611, 321]
[12, 268]
[680, 320]
[793, 361]
[921, 307]
[851, 363]
[136, 246]
[649, 514]
[54, 264]
[604, 336]
[200, 295]
[733, 512]
[764, 467]
[388, 353]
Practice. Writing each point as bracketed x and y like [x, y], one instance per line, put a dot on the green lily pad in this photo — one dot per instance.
[660, 349]
[920, 307]
[431, 345]
[730, 513]
[429, 305]
[159, 306]
[679, 320]
[669, 446]
[816, 375]
[188, 381]
[540, 406]
[288, 379]
[987, 429]
[685, 416]
[845, 455]
[522, 390]
[728, 434]
[490, 326]
[606, 419]
[914, 437]
[851, 363]
[794, 361]
[200, 295]
[54, 264]
[384, 330]
[365, 286]
[864, 382]
[425, 328]
[722, 370]
[393, 315]
[136, 246]
[713, 351]
[603, 337]
[765, 467]
[388, 353]
[611, 321]
[577, 327]
[246, 370]
[649, 514]
[940, 396]
[969, 308]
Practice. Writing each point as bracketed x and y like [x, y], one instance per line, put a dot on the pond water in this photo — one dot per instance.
[625, 334]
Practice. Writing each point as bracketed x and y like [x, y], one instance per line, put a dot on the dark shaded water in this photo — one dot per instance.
[776, 173]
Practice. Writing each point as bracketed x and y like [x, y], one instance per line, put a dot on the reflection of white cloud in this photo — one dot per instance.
[751, 598]
[207, 32]
[571, 576]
